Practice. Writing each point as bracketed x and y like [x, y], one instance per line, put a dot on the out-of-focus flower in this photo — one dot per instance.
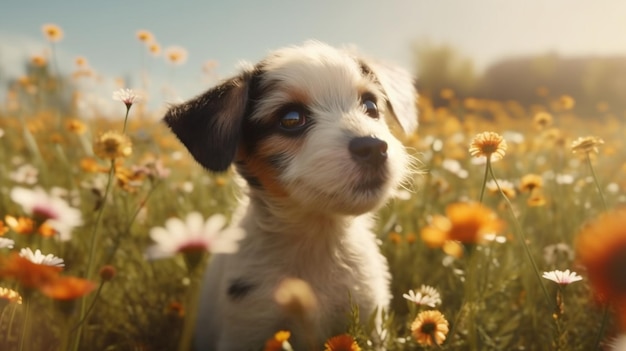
[447, 94]
[80, 61]
[67, 288]
[176, 55]
[430, 328]
[530, 182]
[280, 342]
[562, 277]
[27, 273]
[39, 258]
[76, 126]
[127, 96]
[507, 188]
[464, 222]
[6, 243]
[536, 199]
[10, 296]
[566, 102]
[50, 210]
[111, 145]
[20, 225]
[155, 49]
[601, 248]
[107, 273]
[296, 298]
[489, 145]
[3, 228]
[25, 174]
[145, 36]
[194, 234]
[90, 165]
[38, 61]
[586, 145]
[542, 120]
[52, 32]
[553, 254]
[343, 342]
[426, 295]
[618, 344]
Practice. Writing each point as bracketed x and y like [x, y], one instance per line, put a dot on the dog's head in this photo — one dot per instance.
[307, 124]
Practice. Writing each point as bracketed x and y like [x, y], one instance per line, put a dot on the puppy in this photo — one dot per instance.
[308, 128]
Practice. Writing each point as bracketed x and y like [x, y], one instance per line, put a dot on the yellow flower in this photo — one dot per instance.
[586, 145]
[530, 182]
[9, 295]
[566, 102]
[144, 36]
[465, 222]
[176, 55]
[80, 61]
[430, 328]
[488, 144]
[601, 248]
[155, 49]
[536, 199]
[52, 32]
[342, 342]
[38, 61]
[111, 145]
[542, 120]
[75, 126]
[446, 93]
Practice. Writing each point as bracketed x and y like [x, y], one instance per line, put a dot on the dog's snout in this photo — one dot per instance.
[368, 150]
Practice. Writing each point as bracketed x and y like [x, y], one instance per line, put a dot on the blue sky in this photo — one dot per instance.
[230, 31]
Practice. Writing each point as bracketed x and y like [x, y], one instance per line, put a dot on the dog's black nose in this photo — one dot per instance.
[368, 150]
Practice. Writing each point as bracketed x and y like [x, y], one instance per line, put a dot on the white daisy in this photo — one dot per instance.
[52, 209]
[562, 277]
[127, 96]
[25, 174]
[6, 243]
[426, 295]
[39, 258]
[618, 344]
[193, 234]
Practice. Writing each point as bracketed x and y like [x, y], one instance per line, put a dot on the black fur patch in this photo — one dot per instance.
[239, 289]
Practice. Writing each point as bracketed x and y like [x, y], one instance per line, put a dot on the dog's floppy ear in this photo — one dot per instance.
[209, 125]
[399, 87]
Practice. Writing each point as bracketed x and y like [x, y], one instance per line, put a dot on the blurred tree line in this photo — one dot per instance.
[596, 83]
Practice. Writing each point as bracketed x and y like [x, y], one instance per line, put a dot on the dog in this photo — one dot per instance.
[309, 129]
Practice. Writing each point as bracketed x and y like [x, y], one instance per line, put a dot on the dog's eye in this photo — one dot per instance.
[293, 120]
[370, 107]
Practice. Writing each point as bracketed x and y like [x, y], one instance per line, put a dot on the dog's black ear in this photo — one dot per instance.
[399, 87]
[209, 125]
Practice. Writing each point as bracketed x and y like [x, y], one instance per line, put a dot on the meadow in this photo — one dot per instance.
[490, 247]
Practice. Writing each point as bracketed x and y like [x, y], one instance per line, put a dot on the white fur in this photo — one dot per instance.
[320, 232]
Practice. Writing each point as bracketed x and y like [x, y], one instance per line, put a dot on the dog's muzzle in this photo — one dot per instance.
[368, 151]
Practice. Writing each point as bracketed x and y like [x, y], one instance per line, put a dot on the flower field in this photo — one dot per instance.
[511, 237]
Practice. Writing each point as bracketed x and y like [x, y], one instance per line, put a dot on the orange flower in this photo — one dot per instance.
[488, 144]
[3, 228]
[27, 273]
[465, 222]
[430, 328]
[90, 165]
[155, 49]
[52, 32]
[601, 248]
[276, 343]
[342, 342]
[67, 288]
[20, 225]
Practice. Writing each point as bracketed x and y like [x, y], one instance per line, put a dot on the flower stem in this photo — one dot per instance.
[596, 182]
[522, 238]
[92, 249]
[482, 189]
[605, 309]
[26, 304]
[126, 118]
